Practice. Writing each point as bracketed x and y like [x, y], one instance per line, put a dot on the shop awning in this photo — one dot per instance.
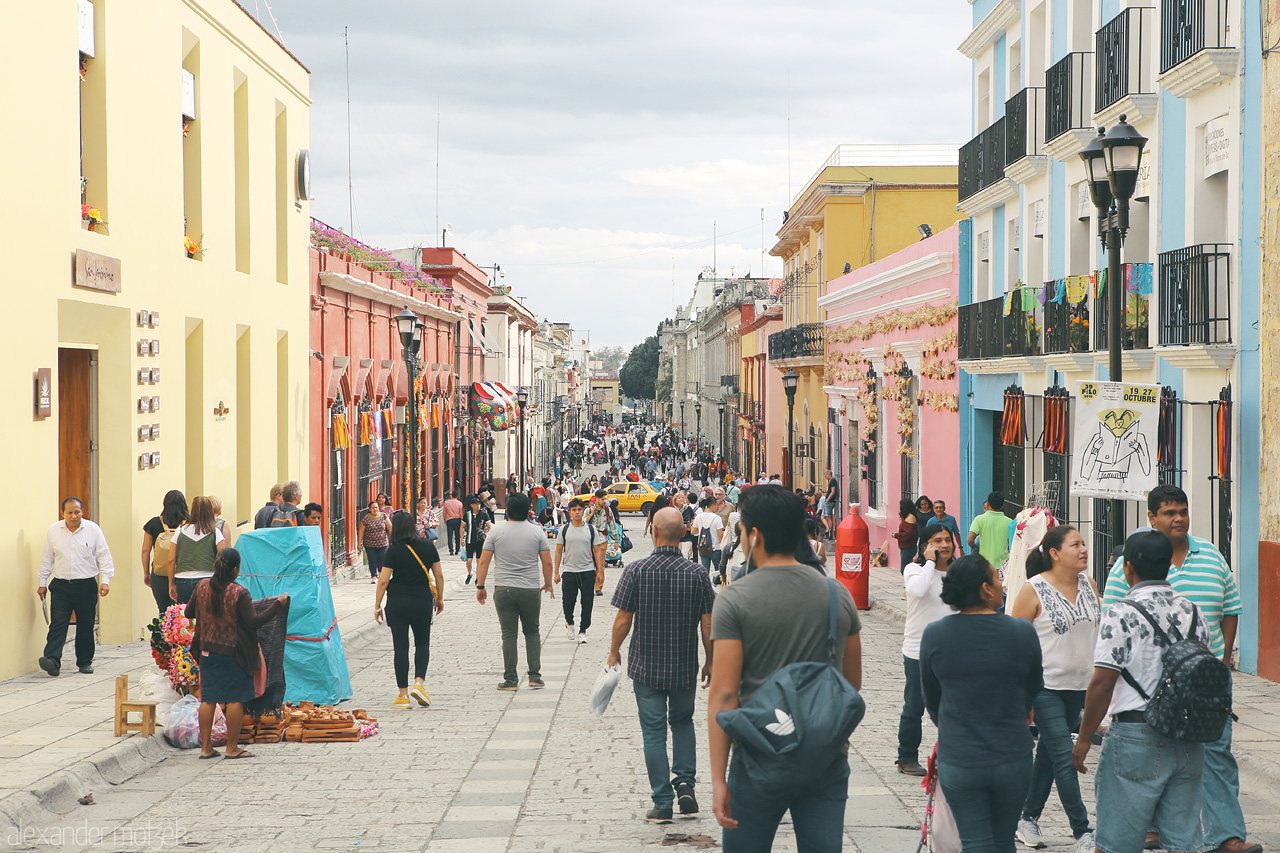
[477, 337]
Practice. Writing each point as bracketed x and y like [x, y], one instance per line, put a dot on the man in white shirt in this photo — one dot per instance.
[75, 553]
[923, 582]
[581, 549]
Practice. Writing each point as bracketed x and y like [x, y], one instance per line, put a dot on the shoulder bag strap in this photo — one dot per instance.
[831, 619]
[419, 559]
[1160, 631]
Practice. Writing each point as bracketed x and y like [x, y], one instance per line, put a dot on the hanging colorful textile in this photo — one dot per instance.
[366, 429]
[1093, 284]
[1077, 288]
[341, 437]
[1029, 298]
[1167, 429]
[1060, 291]
[435, 414]
[1056, 408]
[1013, 423]
[1224, 433]
[1140, 278]
[1008, 302]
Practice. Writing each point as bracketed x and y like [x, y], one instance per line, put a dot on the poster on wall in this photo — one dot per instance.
[1115, 440]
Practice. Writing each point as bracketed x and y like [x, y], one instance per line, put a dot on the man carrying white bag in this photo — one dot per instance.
[668, 599]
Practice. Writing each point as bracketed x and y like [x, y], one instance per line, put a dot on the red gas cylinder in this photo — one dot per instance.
[853, 557]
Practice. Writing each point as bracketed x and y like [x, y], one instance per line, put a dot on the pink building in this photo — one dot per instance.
[891, 381]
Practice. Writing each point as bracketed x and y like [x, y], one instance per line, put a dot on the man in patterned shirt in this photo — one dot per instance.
[668, 599]
[1202, 576]
[1162, 778]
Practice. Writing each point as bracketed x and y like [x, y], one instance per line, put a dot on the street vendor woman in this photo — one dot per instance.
[232, 670]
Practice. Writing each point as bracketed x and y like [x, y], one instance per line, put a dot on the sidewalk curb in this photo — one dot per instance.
[58, 794]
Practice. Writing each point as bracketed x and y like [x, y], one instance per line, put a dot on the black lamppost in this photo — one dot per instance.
[790, 380]
[406, 320]
[720, 407]
[697, 407]
[522, 396]
[1112, 162]
[682, 418]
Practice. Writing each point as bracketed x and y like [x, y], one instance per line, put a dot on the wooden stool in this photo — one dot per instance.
[145, 707]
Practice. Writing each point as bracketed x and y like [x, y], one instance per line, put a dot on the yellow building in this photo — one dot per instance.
[607, 391]
[146, 369]
[866, 202]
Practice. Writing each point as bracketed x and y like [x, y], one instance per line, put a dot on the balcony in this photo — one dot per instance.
[1122, 81]
[729, 382]
[1195, 305]
[1068, 110]
[1023, 130]
[804, 340]
[1195, 49]
[982, 180]
[985, 332]
[1134, 337]
[1066, 327]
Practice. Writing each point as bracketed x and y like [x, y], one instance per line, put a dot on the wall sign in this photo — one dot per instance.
[1217, 146]
[144, 461]
[1084, 202]
[155, 404]
[155, 375]
[144, 432]
[44, 392]
[144, 376]
[86, 27]
[144, 347]
[97, 272]
[144, 405]
[188, 95]
[1037, 219]
[155, 432]
[1143, 191]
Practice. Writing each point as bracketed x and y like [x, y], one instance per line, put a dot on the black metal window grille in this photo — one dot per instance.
[1023, 114]
[871, 447]
[434, 433]
[337, 509]
[804, 340]
[907, 461]
[997, 456]
[1121, 67]
[967, 331]
[1220, 475]
[1188, 27]
[1195, 295]
[1169, 436]
[388, 455]
[1055, 442]
[1066, 326]
[1101, 541]
[982, 160]
[1066, 103]
[1021, 329]
[1013, 437]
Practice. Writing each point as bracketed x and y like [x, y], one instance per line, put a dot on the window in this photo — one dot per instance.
[282, 194]
[240, 138]
[192, 201]
[93, 111]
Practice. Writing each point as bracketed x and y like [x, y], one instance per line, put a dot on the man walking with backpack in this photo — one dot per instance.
[581, 551]
[1201, 575]
[1149, 770]
[779, 615]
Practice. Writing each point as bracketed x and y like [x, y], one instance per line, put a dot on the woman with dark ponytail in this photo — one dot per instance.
[226, 648]
[981, 671]
[1061, 603]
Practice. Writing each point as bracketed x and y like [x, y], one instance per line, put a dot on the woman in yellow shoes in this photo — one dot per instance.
[407, 572]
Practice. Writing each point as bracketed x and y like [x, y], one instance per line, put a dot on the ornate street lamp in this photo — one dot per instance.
[682, 418]
[790, 380]
[697, 407]
[1113, 160]
[406, 320]
[522, 397]
[720, 406]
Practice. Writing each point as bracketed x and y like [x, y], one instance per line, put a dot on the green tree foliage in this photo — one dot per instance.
[640, 372]
[610, 358]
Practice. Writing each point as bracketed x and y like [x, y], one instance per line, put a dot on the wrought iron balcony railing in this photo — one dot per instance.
[1066, 101]
[1122, 57]
[1188, 27]
[1134, 334]
[982, 160]
[804, 340]
[1195, 295]
[1066, 326]
[1023, 125]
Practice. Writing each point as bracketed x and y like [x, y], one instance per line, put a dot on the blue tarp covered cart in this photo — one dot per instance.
[281, 560]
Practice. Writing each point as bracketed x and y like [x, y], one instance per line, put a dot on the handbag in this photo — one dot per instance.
[430, 578]
[626, 542]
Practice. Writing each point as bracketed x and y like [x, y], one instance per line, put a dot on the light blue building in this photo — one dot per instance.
[1045, 74]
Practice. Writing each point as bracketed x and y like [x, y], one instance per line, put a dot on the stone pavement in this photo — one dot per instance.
[482, 770]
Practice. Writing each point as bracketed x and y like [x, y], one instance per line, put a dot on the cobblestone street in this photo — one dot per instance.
[482, 770]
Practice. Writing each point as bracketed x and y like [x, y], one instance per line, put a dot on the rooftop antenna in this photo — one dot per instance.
[351, 203]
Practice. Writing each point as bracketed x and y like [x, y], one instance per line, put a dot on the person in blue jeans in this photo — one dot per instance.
[1062, 604]
[923, 584]
[667, 599]
[981, 673]
[777, 614]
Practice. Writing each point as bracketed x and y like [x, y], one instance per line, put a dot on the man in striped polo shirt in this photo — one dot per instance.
[1200, 574]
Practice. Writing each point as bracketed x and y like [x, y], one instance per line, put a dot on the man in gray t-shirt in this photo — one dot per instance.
[579, 555]
[517, 549]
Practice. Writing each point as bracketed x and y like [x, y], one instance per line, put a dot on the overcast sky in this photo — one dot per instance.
[587, 147]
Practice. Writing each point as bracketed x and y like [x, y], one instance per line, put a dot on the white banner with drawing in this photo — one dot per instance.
[1114, 440]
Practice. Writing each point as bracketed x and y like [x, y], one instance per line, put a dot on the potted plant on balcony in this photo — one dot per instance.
[1032, 333]
[193, 247]
[1079, 334]
[1136, 319]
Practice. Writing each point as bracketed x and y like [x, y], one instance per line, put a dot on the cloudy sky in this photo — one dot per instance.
[588, 147]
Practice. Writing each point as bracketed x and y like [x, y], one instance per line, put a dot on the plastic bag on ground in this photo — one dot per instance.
[157, 686]
[218, 737]
[183, 729]
[602, 692]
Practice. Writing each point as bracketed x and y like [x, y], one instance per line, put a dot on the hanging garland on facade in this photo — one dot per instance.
[934, 365]
[894, 321]
[896, 389]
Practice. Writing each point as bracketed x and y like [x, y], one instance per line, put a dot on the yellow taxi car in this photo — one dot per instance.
[632, 497]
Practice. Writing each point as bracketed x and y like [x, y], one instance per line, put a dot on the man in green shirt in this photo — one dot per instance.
[991, 530]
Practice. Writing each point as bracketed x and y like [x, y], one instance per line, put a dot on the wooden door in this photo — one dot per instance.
[76, 427]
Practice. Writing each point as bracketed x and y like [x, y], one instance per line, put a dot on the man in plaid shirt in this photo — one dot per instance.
[667, 598]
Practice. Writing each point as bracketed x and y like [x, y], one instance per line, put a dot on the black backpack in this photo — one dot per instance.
[1192, 701]
[282, 518]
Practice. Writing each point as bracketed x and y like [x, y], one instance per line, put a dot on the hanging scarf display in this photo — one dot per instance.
[341, 436]
[1140, 278]
[1013, 423]
[1008, 302]
[366, 429]
[1056, 407]
[1223, 425]
[1029, 297]
[1077, 288]
[1060, 290]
